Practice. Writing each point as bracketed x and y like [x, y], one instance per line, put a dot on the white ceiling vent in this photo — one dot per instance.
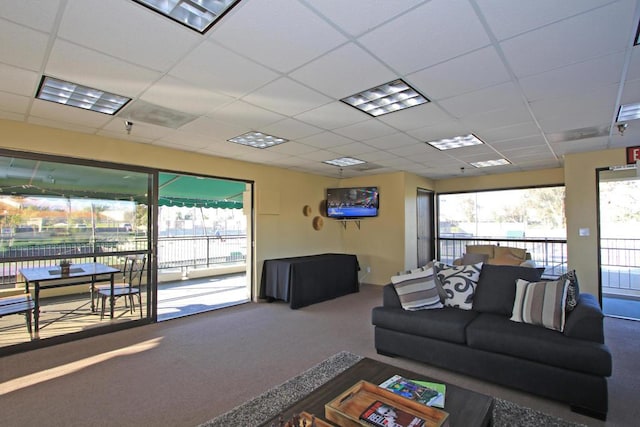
[577, 134]
[365, 167]
[141, 111]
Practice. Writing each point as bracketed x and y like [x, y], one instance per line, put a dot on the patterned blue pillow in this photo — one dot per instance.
[459, 283]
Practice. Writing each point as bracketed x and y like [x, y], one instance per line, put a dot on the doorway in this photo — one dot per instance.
[619, 241]
[204, 230]
[425, 226]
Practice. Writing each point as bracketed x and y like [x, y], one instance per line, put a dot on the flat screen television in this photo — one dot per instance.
[352, 202]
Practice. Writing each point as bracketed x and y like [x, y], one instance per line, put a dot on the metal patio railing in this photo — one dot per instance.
[548, 253]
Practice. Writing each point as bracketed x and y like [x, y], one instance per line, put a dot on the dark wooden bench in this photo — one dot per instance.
[18, 304]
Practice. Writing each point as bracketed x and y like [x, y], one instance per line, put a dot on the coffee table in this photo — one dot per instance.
[465, 407]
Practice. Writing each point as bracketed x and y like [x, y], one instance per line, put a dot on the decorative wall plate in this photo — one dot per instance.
[318, 223]
[306, 210]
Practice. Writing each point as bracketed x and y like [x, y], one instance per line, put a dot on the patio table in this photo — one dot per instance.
[79, 274]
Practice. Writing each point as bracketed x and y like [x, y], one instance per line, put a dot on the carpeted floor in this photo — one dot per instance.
[273, 401]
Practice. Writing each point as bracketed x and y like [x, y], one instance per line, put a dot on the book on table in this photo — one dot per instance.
[381, 414]
[425, 392]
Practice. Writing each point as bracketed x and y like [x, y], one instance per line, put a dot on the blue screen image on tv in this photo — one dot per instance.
[352, 202]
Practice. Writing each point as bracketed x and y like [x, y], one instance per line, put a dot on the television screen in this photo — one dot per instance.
[352, 202]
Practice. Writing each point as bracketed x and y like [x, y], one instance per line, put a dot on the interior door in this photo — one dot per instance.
[425, 226]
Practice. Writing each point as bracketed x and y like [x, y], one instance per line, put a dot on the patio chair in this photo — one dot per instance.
[18, 304]
[132, 274]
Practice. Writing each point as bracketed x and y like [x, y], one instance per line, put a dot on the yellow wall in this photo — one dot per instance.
[581, 211]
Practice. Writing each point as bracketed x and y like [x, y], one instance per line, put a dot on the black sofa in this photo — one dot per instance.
[570, 366]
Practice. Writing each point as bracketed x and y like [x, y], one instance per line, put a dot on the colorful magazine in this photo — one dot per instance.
[380, 414]
[438, 401]
[430, 394]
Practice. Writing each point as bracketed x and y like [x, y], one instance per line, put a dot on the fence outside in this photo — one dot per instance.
[173, 252]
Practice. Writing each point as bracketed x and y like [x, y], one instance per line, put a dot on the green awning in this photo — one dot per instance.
[27, 177]
[190, 191]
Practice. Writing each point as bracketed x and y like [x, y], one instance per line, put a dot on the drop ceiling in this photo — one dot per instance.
[533, 79]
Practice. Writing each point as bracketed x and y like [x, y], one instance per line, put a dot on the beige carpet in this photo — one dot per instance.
[187, 371]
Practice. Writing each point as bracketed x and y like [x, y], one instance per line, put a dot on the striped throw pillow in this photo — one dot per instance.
[541, 303]
[417, 290]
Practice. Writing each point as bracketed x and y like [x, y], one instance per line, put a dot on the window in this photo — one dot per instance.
[529, 218]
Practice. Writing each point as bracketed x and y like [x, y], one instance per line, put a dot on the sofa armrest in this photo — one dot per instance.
[586, 320]
[390, 297]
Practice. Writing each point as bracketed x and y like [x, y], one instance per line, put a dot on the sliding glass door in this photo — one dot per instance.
[90, 216]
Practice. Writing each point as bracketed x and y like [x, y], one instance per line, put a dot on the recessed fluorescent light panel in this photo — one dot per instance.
[344, 161]
[456, 142]
[489, 163]
[258, 140]
[628, 112]
[76, 95]
[386, 98]
[199, 15]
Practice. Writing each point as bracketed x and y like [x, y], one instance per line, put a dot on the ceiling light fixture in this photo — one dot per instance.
[344, 161]
[75, 95]
[456, 142]
[199, 15]
[489, 163]
[387, 98]
[258, 140]
[628, 112]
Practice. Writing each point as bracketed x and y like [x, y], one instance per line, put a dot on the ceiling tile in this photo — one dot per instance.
[181, 96]
[96, 70]
[339, 73]
[394, 140]
[291, 36]
[210, 127]
[39, 15]
[498, 97]
[451, 28]
[575, 78]
[325, 140]
[416, 117]
[534, 143]
[353, 149]
[64, 113]
[13, 103]
[292, 148]
[517, 114]
[291, 129]
[467, 73]
[366, 130]
[18, 81]
[359, 16]
[332, 116]
[509, 132]
[557, 45]
[243, 114]
[117, 28]
[508, 18]
[26, 49]
[287, 97]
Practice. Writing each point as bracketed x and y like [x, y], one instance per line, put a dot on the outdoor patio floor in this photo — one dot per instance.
[69, 314]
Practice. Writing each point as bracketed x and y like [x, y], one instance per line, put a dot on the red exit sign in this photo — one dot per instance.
[633, 154]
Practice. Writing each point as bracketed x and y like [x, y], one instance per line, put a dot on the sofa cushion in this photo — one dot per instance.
[497, 334]
[504, 255]
[481, 249]
[496, 288]
[417, 290]
[474, 258]
[446, 324]
[541, 303]
[459, 283]
[573, 292]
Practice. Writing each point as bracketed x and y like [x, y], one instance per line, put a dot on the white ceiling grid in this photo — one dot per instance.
[515, 73]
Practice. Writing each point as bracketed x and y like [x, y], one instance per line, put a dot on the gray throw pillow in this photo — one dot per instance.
[458, 282]
[496, 290]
